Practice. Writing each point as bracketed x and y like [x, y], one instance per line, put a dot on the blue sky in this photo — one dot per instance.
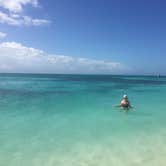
[127, 32]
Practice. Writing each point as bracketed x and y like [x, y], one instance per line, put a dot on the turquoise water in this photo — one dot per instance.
[69, 120]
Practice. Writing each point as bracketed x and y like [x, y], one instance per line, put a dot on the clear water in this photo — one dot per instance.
[69, 120]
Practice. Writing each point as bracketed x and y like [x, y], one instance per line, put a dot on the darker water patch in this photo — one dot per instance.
[136, 80]
[14, 92]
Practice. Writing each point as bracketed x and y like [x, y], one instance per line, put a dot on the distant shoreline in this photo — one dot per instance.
[86, 74]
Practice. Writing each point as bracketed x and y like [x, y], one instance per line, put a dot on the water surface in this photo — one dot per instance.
[69, 120]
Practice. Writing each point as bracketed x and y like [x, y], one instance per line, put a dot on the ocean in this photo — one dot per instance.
[70, 120]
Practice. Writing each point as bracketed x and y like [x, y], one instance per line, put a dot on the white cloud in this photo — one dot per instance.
[18, 20]
[36, 22]
[14, 16]
[17, 5]
[2, 35]
[15, 57]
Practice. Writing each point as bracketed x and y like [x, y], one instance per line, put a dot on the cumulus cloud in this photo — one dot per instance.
[18, 20]
[14, 57]
[2, 35]
[17, 5]
[14, 16]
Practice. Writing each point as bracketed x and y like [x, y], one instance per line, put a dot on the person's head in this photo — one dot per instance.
[125, 97]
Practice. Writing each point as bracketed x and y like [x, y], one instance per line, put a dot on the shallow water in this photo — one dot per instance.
[69, 120]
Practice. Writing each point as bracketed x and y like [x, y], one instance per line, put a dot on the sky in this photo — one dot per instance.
[83, 36]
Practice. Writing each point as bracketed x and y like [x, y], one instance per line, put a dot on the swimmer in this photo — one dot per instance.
[125, 103]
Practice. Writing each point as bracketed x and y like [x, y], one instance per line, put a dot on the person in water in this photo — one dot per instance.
[125, 103]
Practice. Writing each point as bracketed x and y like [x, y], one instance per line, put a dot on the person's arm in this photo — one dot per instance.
[129, 105]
